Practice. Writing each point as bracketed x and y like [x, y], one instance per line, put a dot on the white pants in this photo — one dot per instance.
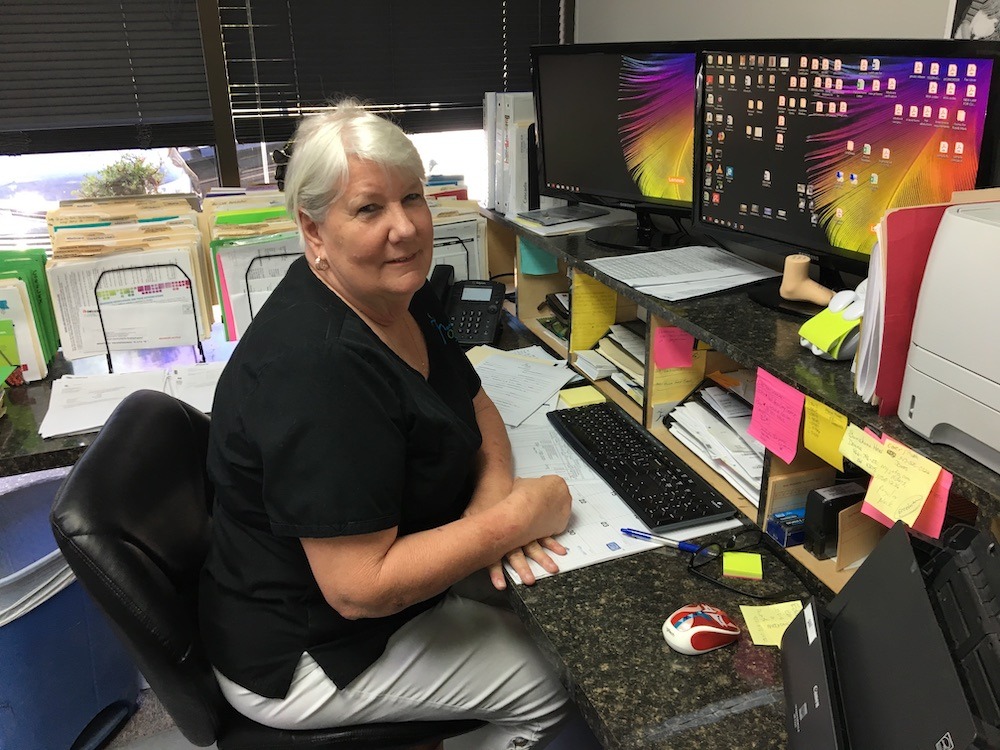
[461, 659]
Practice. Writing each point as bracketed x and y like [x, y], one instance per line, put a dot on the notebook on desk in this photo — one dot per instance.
[875, 668]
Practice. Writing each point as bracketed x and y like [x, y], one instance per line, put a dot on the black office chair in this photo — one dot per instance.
[133, 521]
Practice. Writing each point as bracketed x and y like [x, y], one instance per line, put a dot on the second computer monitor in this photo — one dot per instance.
[809, 144]
[616, 127]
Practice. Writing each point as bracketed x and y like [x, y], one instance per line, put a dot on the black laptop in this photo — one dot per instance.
[881, 669]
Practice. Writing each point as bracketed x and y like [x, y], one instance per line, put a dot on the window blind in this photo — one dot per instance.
[99, 74]
[427, 64]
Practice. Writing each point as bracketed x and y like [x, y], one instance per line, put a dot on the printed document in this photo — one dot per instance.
[518, 385]
[683, 272]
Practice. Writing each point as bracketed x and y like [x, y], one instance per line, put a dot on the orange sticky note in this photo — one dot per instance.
[672, 347]
[777, 415]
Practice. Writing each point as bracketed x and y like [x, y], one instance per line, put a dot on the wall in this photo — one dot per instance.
[637, 20]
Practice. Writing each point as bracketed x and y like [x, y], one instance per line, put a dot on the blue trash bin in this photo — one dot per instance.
[66, 682]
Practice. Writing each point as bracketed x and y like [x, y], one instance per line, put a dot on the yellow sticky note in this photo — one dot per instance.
[768, 623]
[861, 448]
[675, 383]
[742, 565]
[594, 307]
[901, 483]
[581, 396]
[826, 328]
[823, 432]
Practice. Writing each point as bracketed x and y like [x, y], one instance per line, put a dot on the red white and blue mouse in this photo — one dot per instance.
[699, 628]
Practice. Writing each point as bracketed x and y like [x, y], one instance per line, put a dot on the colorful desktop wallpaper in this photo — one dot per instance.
[911, 159]
[657, 126]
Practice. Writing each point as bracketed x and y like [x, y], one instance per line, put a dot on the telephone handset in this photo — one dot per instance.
[474, 307]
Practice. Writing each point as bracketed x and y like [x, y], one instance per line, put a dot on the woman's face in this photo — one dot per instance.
[378, 237]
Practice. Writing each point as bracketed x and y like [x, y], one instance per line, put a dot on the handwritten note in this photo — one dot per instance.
[672, 347]
[768, 623]
[861, 448]
[902, 482]
[675, 383]
[824, 430]
[931, 517]
[594, 307]
[777, 415]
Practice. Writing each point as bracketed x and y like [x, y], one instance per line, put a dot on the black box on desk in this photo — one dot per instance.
[823, 507]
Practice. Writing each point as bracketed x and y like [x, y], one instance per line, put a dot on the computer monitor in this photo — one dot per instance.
[616, 128]
[804, 145]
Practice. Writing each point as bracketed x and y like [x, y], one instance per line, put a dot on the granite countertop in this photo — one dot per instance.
[600, 626]
[756, 336]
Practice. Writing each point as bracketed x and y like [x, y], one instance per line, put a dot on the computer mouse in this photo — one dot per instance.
[699, 628]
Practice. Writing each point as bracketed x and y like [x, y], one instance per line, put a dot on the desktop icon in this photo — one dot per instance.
[952, 70]
[943, 147]
[935, 69]
[866, 149]
[891, 84]
[873, 179]
[927, 112]
[932, 87]
[918, 68]
[876, 85]
[850, 147]
[970, 71]
[959, 148]
[886, 153]
[767, 175]
[839, 84]
[970, 90]
[839, 213]
[840, 176]
[942, 113]
[960, 115]
[949, 89]
[898, 110]
[853, 178]
[864, 64]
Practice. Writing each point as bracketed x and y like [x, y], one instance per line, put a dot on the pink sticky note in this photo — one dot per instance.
[672, 347]
[931, 517]
[777, 415]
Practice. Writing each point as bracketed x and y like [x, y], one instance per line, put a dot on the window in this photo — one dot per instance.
[426, 63]
[93, 74]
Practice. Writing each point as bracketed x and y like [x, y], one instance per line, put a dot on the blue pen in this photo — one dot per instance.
[648, 537]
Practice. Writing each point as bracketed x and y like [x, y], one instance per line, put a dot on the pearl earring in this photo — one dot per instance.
[320, 263]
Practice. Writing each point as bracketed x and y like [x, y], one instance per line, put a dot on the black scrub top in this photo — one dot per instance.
[320, 430]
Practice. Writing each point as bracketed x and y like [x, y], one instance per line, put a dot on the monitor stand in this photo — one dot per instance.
[640, 237]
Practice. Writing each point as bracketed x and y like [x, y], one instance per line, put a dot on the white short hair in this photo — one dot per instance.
[318, 168]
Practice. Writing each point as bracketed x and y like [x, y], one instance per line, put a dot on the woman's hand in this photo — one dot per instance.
[546, 502]
[518, 559]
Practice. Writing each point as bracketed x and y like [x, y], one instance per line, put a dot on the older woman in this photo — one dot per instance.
[360, 471]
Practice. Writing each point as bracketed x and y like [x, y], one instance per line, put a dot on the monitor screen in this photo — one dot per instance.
[616, 124]
[810, 144]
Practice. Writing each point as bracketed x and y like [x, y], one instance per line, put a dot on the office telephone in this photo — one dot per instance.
[474, 307]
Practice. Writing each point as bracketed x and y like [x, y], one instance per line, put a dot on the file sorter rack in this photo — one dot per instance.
[190, 288]
[448, 241]
[246, 276]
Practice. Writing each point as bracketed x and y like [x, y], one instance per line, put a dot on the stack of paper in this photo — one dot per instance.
[714, 427]
[683, 272]
[519, 383]
[128, 274]
[83, 403]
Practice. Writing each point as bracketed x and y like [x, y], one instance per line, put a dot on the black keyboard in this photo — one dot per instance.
[649, 478]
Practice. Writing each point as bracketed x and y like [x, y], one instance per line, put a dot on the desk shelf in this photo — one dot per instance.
[754, 336]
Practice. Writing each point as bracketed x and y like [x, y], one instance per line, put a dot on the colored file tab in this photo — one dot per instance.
[768, 623]
[861, 448]
[777, 415]
[823, 432]
[594, 307]
[902, 482]
[742, 565]
[672, 347]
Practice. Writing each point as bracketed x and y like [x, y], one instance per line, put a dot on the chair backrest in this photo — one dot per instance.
[133, 521]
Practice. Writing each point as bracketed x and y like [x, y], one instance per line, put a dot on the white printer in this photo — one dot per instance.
[951, 387]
